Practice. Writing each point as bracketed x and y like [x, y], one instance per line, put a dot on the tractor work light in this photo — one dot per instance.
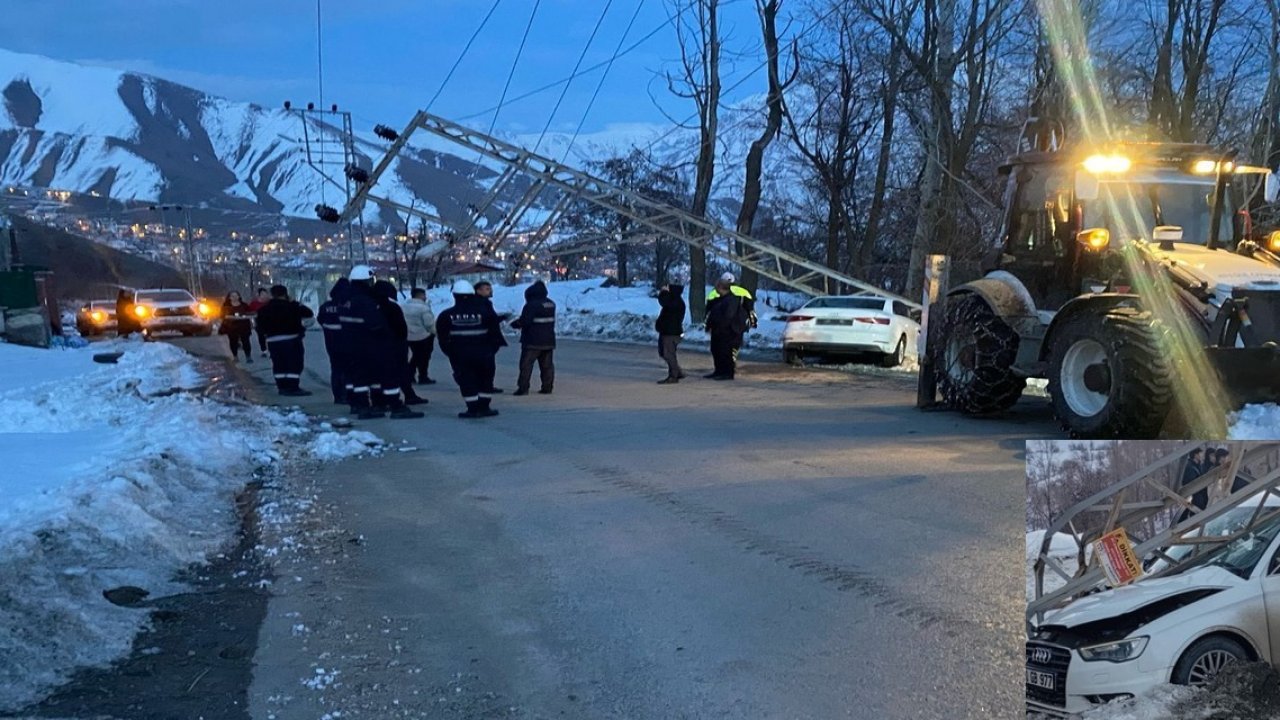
[327, 214]
[386, 133]
[1095, 238]
[1107, 164]
[1273, 241]
[1211, 167]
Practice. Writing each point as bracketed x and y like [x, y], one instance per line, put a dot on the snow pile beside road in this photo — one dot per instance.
[1244, 691]
[1255, 422]
[333, 445]
[112, 476]
[1165, 702]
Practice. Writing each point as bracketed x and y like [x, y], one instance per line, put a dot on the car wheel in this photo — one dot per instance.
[895, 358]
[1206, 658]
[792, 357]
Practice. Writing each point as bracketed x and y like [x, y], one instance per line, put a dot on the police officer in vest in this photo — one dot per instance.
[281, 321]
[470, 335]
[330, 319]
[730, 313]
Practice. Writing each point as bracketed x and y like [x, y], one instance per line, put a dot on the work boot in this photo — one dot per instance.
[669, 381]
[545, 391]
[472, 411]
[483, 407]
[401, 412]
[521, 392]
[415, 400]
[295, 392]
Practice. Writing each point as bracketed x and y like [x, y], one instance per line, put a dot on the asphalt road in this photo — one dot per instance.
[794, 544]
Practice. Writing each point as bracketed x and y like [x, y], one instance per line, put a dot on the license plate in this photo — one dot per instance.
[1035, 678]
[833, 321]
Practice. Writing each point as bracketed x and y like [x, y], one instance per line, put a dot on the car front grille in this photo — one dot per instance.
[1053, 660]
[174, 312]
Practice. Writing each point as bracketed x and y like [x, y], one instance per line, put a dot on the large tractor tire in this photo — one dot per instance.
[1108, 377]
[975, 372]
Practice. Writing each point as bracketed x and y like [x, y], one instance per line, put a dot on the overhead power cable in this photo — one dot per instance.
[596, 93]
[507, 85]
[465, 49]
[565, 90]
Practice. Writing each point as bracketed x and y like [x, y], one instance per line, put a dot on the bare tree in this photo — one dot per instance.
[698, 31]
[768, 12]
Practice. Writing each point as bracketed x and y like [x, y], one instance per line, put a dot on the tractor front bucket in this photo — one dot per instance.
[1249, 375]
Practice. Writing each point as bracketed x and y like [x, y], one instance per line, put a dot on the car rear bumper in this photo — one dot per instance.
[836, 348]
[175, 324]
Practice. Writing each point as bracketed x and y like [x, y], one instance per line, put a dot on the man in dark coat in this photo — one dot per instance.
[728, 317]
[370, 340]
[670, 327]
[281, 322]
[396, 377]
[126, 322]
[330, 318]
[1191, 470]
[470, 335]
[537, 325]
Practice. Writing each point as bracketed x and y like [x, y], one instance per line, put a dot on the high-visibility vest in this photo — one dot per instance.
[735, 289]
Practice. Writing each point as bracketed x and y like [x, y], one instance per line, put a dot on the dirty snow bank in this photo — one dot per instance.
[112, 475]
[1255, 422]
[1245, 691]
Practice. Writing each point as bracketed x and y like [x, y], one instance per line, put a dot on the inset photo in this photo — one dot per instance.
[1153, 580]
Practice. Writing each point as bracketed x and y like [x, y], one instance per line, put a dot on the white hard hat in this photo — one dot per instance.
[361, 272]
[463, 287]
[727, 277]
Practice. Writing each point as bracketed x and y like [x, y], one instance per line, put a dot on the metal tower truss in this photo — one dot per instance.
[779, 265]
[1118, 503]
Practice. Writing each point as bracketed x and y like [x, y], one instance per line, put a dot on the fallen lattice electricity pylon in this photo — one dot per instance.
[786, 268]
[1252, 462]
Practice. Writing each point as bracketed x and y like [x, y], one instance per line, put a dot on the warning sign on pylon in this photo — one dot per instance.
[1119, 562]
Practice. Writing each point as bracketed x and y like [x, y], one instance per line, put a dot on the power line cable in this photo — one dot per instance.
[466, 48]
[600, 84]
[507, 85]
[565, 90]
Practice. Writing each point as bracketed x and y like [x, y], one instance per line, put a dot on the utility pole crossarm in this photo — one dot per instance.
[781, 266]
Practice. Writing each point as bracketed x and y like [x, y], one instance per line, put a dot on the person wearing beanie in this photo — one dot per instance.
[329, 318]
[537, 326]
[395, 380]
[470, 335]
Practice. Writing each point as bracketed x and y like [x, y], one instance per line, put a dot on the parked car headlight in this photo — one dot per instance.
[1115, 652]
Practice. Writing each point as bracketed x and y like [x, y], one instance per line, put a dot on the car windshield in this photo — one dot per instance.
[846, 303]
[1232, 522]
[1133, 209]
[165, 296]
[1240, 555]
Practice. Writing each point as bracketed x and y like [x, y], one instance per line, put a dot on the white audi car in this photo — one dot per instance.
[1221, 608]
[849, 325]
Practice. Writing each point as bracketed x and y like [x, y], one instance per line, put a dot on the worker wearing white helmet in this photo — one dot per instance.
[470, 335]
[370, 346]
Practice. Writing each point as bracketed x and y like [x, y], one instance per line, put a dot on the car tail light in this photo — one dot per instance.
[873, 320]
[799, 318]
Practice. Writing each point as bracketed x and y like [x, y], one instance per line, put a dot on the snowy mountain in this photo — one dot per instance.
[135, 137]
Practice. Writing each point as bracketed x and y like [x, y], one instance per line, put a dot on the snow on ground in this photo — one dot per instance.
[1063, 549]
[587, 311]
[333, 445]
[1255, 422]
[113, 474]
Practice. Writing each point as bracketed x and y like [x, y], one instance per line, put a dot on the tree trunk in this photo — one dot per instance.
[709, 110]
[889, 106]
[751, 190]
[937, 148]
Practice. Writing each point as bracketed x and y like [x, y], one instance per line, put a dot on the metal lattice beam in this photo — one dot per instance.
[781, 266]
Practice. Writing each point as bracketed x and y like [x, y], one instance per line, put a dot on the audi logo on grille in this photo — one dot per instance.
[1041, 655]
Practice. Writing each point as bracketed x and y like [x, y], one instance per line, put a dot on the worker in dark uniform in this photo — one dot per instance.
[730, 313]
[281, 322]
[1191, 470]
[330, 318]
[363, 330]
[484, 289]
[395, 375]
[537, 325]
[470, 335]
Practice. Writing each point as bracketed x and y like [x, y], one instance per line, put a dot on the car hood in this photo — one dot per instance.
[1222, 269]
[1120, 601]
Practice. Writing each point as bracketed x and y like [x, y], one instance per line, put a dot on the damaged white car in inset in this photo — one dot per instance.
[1220, 608]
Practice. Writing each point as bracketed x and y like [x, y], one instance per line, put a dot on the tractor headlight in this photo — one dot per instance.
[1211, 167]
[1095, 238]
[1116, 652]
[1273, 241]
[1107, 164]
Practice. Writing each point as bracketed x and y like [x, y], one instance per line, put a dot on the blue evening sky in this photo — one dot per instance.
[385, 58]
